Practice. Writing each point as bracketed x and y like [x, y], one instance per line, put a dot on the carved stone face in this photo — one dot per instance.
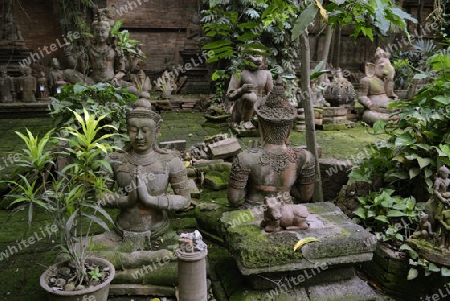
[142, 133]
[257, 61]
[101, 33]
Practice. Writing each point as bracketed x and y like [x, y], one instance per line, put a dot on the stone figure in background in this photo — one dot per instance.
[56, 78]
[27, 86]
[7, 89]
[280, 215]
[424, 228]
[11, 34]
[42, 86]
[247, 89]
[440, 200]
[340, 91]
[143, 173]
[194, 34]
[377, 88]
[166, 83]
[274, 168]
[103, 57]
[444, 220]
[143, 84]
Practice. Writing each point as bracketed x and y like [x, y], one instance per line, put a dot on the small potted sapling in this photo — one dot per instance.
[71, 196]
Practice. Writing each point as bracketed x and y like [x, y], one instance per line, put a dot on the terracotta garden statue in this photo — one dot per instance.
[274, 168]
[440, 200]
[27, 86]
[143, 173]
[280, 215]
[377, 88]
[247, 89]
[42, 86]
[7, 89]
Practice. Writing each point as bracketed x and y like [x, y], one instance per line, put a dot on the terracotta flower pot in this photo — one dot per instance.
[96, 293]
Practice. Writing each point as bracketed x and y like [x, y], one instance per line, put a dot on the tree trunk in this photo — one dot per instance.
[311, 144]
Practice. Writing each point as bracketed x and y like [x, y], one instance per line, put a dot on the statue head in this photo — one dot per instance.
[254, 59]
[143, 126]
[55, 64]
[101, 30]
[443, 172]
[276, 116]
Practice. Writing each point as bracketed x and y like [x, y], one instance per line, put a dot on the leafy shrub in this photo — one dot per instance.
[100, 99]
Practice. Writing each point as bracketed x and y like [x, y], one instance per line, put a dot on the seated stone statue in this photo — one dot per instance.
[377, 88]
[274, 168]
[143, 174]
[7, 89]
[424, 229]
[247, 89]
[11, 34]
[27, 86]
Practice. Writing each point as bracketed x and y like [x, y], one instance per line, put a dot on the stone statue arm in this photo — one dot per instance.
[237, 181]
[236, 89]
[124, 198]
[269, 83]
[363, 96]
[303, 187]
[178, 179]
[444, 224]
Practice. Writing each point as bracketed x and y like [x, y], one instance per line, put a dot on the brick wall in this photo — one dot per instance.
[39, 24]
[159, 25]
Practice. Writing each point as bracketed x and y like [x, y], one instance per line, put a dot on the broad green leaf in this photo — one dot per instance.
[433, 268]
[305, 18]
[445, 272]
[412, 274]
[423, 162]
[360, 212]
[395, 213]
[382, 218]
[413, 172]
[404, 139]
[442, 99]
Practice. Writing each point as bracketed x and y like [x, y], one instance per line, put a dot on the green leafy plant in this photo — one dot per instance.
[387, 215]
[101, 99]
[404, 74]
[416, 262]
[128, 45]
[96, 274]
[70, 194]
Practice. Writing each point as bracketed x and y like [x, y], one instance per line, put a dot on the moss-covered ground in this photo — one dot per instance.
[22, 263]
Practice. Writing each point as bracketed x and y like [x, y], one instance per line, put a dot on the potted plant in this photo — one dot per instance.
[70, 196]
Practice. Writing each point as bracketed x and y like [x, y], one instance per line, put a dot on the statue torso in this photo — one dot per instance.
[102, 62]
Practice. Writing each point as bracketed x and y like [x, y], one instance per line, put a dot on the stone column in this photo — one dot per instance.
[192, 285]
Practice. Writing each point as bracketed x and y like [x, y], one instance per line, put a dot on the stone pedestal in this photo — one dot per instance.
[11, 56]
[300, 125]
[196, 71]
[335, 118]
[192, 275]
[271, 267]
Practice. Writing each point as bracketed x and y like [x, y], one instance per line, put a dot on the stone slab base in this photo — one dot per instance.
[17, 110]
[340, 242]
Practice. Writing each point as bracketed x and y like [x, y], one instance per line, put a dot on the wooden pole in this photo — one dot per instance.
[311, 144]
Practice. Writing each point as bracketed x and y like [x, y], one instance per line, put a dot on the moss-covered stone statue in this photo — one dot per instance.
[274, 168]
[143, 173]
[377, 88]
